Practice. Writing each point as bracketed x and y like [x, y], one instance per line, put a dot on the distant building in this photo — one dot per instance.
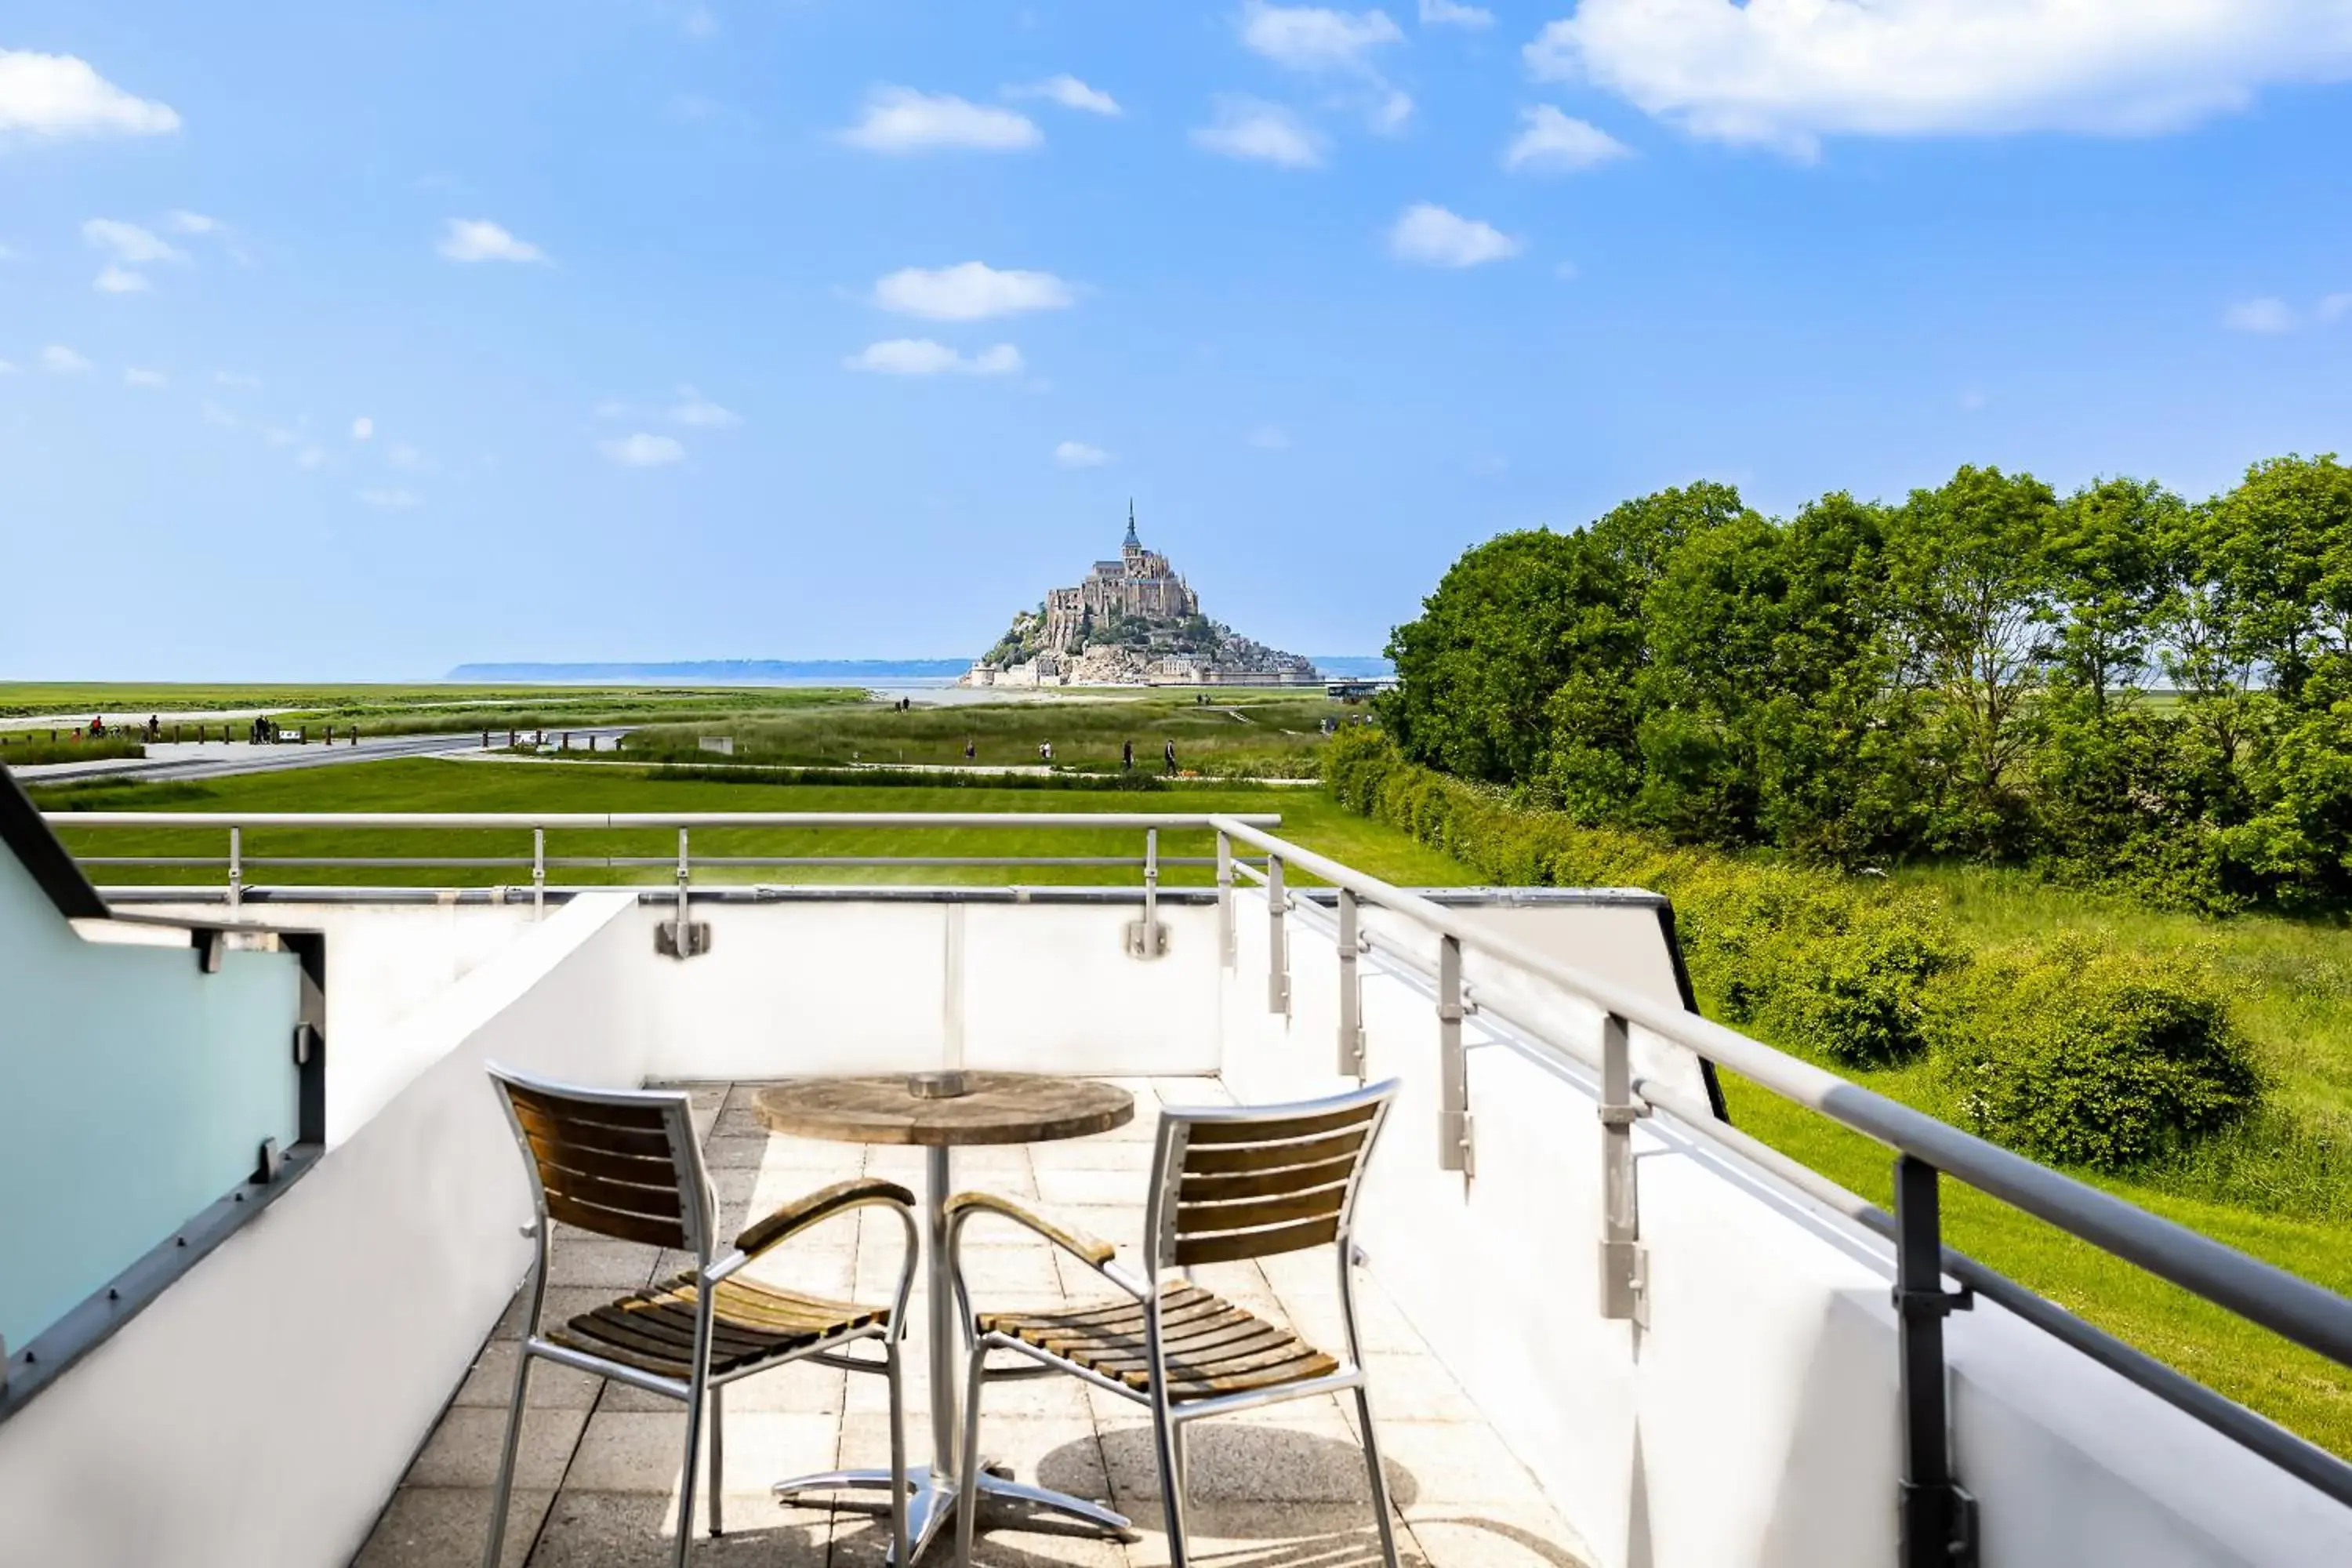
[1130, 622]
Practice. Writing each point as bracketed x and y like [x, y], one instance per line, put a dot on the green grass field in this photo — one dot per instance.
[1233, 734]
[2292, 994]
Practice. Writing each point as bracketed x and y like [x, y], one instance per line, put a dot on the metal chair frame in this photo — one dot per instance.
[1170, 1417]
[698, 1207]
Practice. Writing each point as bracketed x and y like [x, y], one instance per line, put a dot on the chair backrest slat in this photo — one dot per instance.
[620, 1163]
[1234, 1185]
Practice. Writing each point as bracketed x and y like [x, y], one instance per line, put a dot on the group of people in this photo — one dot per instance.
[1126, 753]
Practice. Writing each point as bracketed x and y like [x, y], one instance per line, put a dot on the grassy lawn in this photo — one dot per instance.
[1231, 734]
[439, 784]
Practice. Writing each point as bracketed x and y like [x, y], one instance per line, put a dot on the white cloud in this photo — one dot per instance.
[921, 356]
[389, 500]
[6, 368]
[7, 253]
[113, 280]
[643, 451]
[900, 120]
[1446, 13]
[63, 360]
[970, 291]
[1078, 455]
[149, 378]
[278, 436]
[693, 408]
[216, 415]
[1433, 236]
[1394, 110]
[612, 408]
[2266, 315]
[233, 378]
[57, 96]
[402, 456]
[310, 458]
[1786, 73]
[1551, 143]
[1311, 38]
[1070, 93]
[1567, 272]
[1267, 438]
[184, 222]
[2334, 308]
[1261, 132]
[127, 241]
[363, 427]
[480, 239]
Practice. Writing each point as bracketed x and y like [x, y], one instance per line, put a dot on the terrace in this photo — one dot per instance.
[1605, 1328]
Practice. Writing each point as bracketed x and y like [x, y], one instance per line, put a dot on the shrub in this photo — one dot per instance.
[2090, 1056]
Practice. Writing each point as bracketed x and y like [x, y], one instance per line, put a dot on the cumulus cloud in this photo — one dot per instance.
[921, 356]
[1786, 73]
[1260, 132]
[1429, 236]
[1312, 38]
[147, 378]
[693, 408]
[113, 280]
[902, 119]
[127, 241]
[1078, 455]
[310, 458]
[389, 500]
[1551, 143]
[57, 96]
[1070, 93]
[970, 291]
[63, 360]
[1446, 13]
[363, 427]
[480, 239]
[2267, 315]
[182, 221]
[642, 450]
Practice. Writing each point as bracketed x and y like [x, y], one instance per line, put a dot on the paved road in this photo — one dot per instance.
[190, 761]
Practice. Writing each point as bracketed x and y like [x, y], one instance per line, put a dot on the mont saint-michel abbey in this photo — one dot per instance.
[1139, 586]
[1130, 622]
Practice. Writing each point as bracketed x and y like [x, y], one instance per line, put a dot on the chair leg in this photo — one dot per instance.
[892, 1366]
[1380, 1512]
[1170, 1442]
[717, 1448]
[504, 1492]
[968, 1470]
[698, 1387]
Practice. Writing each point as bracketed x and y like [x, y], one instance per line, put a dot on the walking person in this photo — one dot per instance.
[1126, 755]
[1168, 751]
[970, 748]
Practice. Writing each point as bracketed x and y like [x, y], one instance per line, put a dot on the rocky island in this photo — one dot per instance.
[1130, 622]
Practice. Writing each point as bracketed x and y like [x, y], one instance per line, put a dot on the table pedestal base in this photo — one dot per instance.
[931, 1500]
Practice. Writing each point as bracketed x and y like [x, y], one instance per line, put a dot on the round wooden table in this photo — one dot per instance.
[939, 1111]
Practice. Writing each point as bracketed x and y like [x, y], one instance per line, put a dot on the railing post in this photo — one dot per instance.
[1277, 944]
[1453, 1148]
[1351, 990]
[1625, 1265]
[538, 872]
[1225, 898]
[1145, 938]
[236, 867]
[685, 931]
[1938, 1518]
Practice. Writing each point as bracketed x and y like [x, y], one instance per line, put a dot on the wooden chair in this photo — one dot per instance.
[625, 1163]
[1228, 1184]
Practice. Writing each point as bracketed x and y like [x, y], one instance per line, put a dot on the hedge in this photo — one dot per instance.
[2097, 1059]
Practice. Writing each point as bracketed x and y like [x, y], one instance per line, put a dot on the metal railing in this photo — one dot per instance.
[1937, 1522]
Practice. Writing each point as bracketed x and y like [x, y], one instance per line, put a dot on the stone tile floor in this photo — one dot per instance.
[1282, 1486]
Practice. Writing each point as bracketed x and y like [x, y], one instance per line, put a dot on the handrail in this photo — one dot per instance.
[2309, 1315]
[574, 820]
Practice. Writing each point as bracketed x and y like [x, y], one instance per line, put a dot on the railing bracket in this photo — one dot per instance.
[272, 1161]
[1146, 939]
[698, 938]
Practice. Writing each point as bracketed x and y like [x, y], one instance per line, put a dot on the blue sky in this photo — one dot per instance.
[753, 328]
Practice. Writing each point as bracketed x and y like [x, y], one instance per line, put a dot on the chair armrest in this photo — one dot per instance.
[823, 1204]
[1093, 1249]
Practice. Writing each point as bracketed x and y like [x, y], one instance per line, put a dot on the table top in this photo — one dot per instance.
[945, 1109]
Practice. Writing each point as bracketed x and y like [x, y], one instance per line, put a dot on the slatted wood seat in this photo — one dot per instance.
[751, 1324]
[1210, 1346]
[625, 1163]
[1228, 1184]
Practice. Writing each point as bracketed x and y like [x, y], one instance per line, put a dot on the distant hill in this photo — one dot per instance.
[722, 671]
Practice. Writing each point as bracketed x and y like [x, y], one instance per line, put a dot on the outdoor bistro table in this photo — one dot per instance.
[936, 1111]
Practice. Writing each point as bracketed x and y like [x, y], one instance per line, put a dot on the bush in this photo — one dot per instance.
[2089, 1056]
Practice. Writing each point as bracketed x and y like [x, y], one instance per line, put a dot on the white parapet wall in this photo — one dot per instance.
[1754, 1422]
